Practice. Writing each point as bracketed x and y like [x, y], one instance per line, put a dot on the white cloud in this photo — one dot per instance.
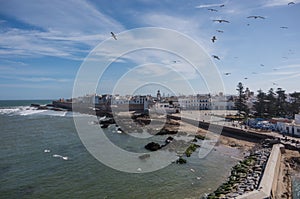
[208, 5]
[67, 16]
[43, 79]
[289, 66]
[63, 28]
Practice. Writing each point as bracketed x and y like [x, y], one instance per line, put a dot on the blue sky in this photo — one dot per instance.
[44, 43]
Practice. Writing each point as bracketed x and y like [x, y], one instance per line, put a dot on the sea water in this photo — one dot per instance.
[296, 186]
[41, 156]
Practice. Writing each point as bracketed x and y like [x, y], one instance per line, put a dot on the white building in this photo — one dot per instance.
[138, 101]
[116, 100]
[164, 108]
[198, 102]
[290, 128]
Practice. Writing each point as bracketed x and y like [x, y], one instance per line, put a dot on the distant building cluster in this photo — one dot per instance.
[168, 104]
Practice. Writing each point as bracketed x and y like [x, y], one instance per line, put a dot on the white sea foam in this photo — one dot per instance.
[8, 110]
[60, 156]
[28, 110]
[31, 112]
[47, 150]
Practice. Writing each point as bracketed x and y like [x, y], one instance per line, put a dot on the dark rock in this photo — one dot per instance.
[166, 131]
[152, 146]
[181, 161]
[104, 126]
[35, 105]
[108, 121]
[119, 129]
[169, 140]
[42, 108]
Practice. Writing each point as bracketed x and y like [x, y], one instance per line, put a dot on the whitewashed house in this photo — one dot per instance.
[290, 128]
[198, 102]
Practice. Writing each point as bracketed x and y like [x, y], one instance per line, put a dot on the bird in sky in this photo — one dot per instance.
[220, 20]
[216, 57]
[113, 35]
[291, 3]
[256, 17]
[220, 31]
[284, 27]
[246, 78]
[213, 10]
[213, 39]
[262, 65]
[222, 5]
[227, 73]
[275, 84]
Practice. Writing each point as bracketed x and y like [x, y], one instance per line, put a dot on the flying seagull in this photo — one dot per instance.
[221, 20]
[291, 3]
[227, 73]
[113, 35]
[284, 27]
[262, 65]
[256, 17]
[213, 39]
[222, 5]
[220, 31]
[275, 84]
[216, 57]
[213, 10]
[246, 78]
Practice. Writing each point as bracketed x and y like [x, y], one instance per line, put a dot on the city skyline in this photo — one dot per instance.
[43, 44]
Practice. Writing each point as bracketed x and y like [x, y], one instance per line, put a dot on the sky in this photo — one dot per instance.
[45, 46]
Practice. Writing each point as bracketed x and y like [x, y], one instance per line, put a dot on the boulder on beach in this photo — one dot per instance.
[107, 121]
[181, 161]
[152, 146]
[169, 139]
[104, 126]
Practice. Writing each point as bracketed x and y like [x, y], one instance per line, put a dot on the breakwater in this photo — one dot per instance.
[268, 184]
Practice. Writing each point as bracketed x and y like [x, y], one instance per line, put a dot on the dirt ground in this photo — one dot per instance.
[287, 168]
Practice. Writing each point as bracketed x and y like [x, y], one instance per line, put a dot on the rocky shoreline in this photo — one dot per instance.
[245, 176]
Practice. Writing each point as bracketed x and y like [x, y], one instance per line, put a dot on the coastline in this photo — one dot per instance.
[244, 144]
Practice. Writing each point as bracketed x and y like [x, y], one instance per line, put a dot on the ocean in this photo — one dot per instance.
[42, 156]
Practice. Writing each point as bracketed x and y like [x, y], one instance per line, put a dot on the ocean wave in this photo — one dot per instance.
[27, 110]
